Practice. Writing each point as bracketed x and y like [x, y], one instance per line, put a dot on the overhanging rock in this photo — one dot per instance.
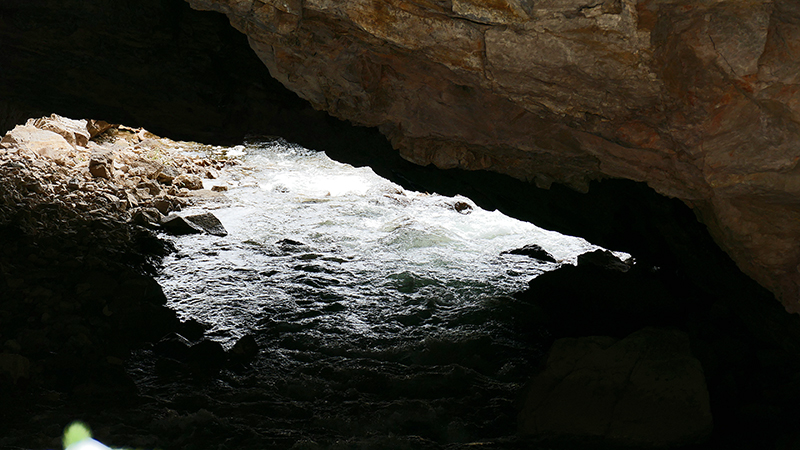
[700, 100]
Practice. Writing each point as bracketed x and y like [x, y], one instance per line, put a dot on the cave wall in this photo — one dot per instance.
[700, 100]
[151, 63]
[630, 96]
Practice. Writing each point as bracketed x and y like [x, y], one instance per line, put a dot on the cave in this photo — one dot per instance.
[193, 75]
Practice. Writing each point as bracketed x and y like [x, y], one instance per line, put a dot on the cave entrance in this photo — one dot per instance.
[376, 309]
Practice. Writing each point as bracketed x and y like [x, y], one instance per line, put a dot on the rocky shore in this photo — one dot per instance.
[78, 200]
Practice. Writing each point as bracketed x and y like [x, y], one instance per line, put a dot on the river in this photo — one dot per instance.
[385, 318]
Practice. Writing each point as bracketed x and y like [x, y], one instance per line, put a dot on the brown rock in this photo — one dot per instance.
[97, 127]
[101, 164]
[166, 174]
[699, 100]
[188, 181]
[42, 143]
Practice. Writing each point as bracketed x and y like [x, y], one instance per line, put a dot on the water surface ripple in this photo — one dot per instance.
[378, 311]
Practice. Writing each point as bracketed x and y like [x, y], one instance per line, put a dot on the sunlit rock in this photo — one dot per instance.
[74, 131]
[101, 164]
[29, 140]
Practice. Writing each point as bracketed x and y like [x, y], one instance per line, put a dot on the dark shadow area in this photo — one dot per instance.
[156, 64]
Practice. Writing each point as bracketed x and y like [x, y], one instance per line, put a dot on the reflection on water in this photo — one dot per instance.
[378, 311]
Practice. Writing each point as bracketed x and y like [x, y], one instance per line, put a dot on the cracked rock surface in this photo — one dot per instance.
[700, 100]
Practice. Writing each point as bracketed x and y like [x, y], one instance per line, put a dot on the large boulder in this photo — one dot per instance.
[29, 140]
[646, 390]
[74, 131]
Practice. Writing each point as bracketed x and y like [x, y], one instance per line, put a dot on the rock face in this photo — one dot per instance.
[646, 390]
[700, 100]
[642, 391]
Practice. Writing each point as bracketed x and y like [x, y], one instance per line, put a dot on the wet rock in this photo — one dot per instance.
[192, 329]
[178, 225]
[290, 245]
[458, 206]
[645, 390]
[206, 355]
[188, 181]
[533, 251]
[198, 223]
[174, 346]
[208, 223]
[147, 217]
[245, 349]
[101, 164]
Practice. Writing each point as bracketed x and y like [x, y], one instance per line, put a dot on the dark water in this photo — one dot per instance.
[384, 317]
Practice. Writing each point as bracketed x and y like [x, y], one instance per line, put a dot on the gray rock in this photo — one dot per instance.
[175, 224]
[208, 223]
[198, 223]
[645, 390]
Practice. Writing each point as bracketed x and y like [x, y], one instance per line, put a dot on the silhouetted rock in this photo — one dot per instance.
[532, 250]
[179, 225]
[597, 297]
[646, 390]
[245, 349]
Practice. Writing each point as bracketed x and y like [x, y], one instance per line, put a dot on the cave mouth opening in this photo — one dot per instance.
[377, 310]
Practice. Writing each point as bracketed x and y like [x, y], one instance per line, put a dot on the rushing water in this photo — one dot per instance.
[379, 312]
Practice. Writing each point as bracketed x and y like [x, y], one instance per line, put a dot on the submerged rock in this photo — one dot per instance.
[646, 390]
